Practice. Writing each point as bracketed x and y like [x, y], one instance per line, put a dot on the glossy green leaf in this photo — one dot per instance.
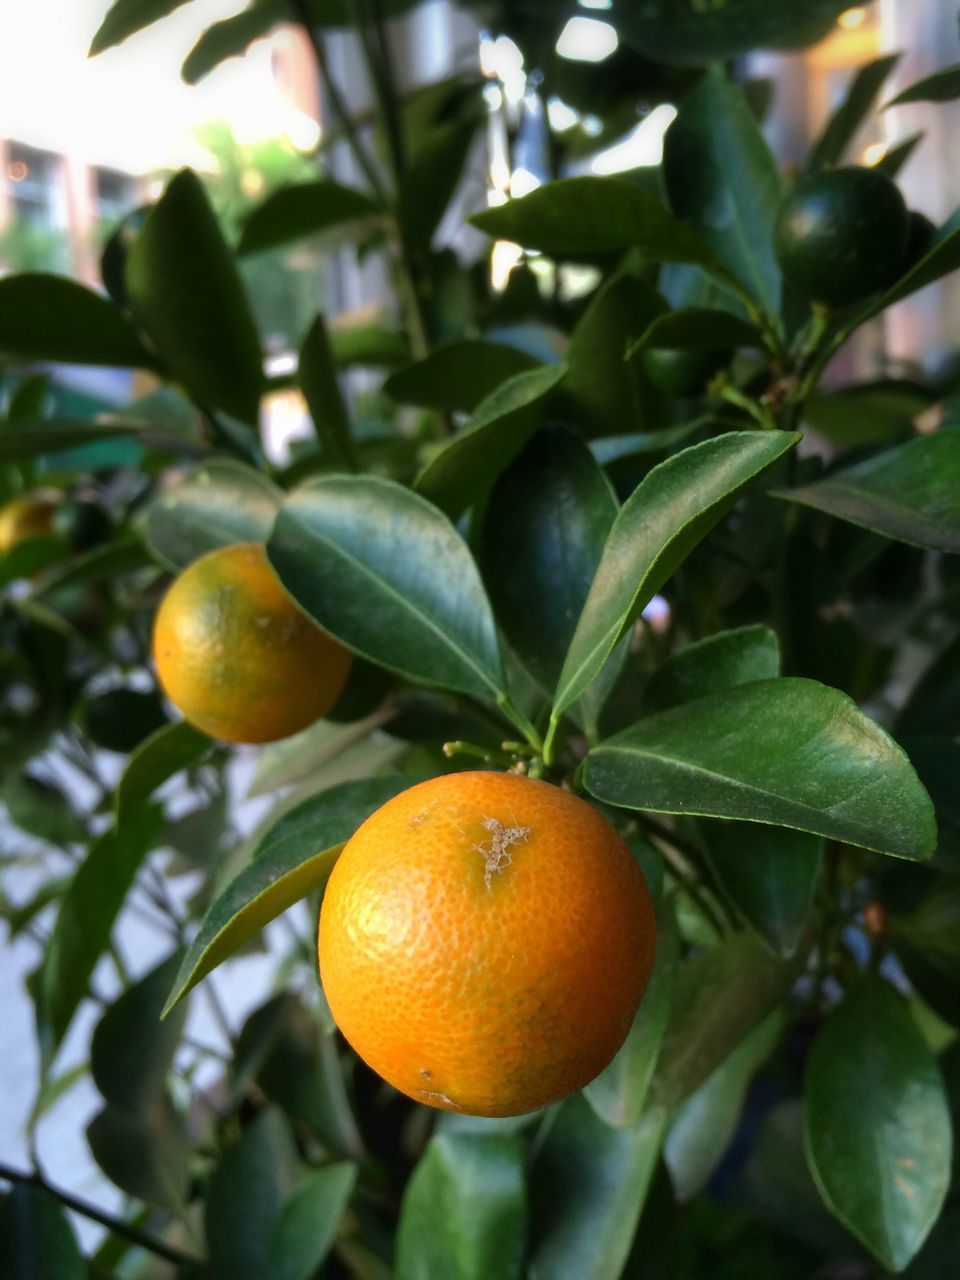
[464, 1213]
[30, 398]
[721, 994]
[501, 425]
[686, 33]
[369, 346]
[588, 1185]
[246, 1198]
[47, 317]
[670, 511]
[893, 160]
[321, 389]
[609, 450]
[41, 809]
[577, 217]
[125, 17]
[545, 525]
[159, 757]
[704, 1125]
[717, 662]
[186, 291]
[232, 37]
[942, 86]
[353, 551]
[53, 435]
[435, 166]
[619, 1093]
[120, 719]
[132, 1050]
[292, 858]
[38, 1241]
[909, 493]
[85, 921]
[845, 122]
[722, 178]
[123, 555]
[697, 329]
[458, 376]
[607, 391]
[769, 875]
[215, 505]
[786, 752]
[307, 1226]
[878, 1128]
[306, 756]
[305, 209]
[147, 1155]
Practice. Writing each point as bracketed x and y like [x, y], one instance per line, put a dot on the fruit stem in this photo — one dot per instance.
[489, 755]
[526, 727]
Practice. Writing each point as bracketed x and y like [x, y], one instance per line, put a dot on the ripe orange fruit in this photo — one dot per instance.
[30, 516]
[484, 942]
[238, 658]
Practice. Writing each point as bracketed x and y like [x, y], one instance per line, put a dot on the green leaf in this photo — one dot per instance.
[606, 390]
[786, 752]
[581, 217]
[878, 1128]
[293, 858]
[721, 993]
[942, 86]
[120, 719]
[845, 122]
[462, 471]
[125, 17]
[868, 413]
[186, 291]
[619, 1093]
[927, 942]
[704, 1125]
[609, 450]
[893, 160]
[941, 258]
[146, 1155]
[46, 317]
[464, 1213]
[123, 555]
[368, 346]
[232, 37]
[671, 510]
[35, 439]
[909, 493]
[769, 875]
[321, 389]
[39, 1243]
[158, 758]
[30, 398]
[306, 756]
[722, 178]
[458, 376]
[217, 504]
[305, 209]
[41, 809]
[85, 921]
[937, 761]
[307, 1226]
[588, 1185]
[351, 551]
[246, 1198]
[697, 329]
[544, 529]
[721, 661]
[132, 1050]
[436, 165]
[687, 33]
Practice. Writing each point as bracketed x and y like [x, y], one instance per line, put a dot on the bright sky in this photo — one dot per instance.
[127, 108]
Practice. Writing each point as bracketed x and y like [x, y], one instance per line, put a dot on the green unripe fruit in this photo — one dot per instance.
[682, 372]
[841, 235]
[920, 234]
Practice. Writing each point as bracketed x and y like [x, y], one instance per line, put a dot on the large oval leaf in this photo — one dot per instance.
[878, 1125]
[722, 178]
[294, 857]
[216, 505]
[457, 376]
[317, 374]
[588, 1185]
[788, 752]
[386, 573]
[307, 1226]
[185, 289]
[38, 1238]
[717, 662]
[911, 493]
[674, 506]
[465, 1210]
[47, 317]
[545, 525]
[159, 757]
[501, 426]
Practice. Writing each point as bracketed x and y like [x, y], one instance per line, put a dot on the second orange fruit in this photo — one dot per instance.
[485, 940]
[238, 658]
